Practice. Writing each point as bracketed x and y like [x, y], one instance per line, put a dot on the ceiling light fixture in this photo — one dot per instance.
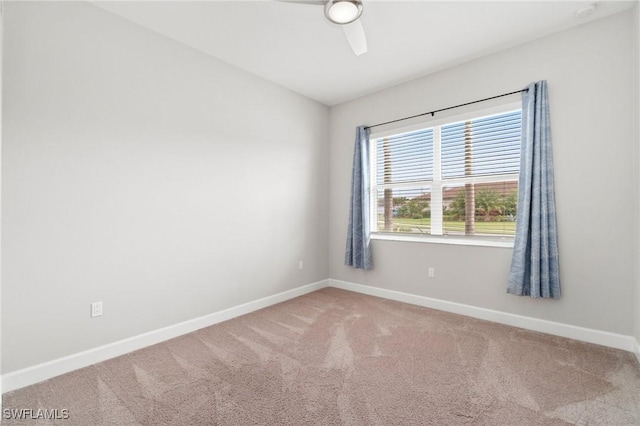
[343, 11]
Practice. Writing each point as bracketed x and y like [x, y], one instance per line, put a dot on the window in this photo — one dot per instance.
[455, 179]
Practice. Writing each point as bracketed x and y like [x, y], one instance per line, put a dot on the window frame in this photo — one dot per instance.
[437, 184]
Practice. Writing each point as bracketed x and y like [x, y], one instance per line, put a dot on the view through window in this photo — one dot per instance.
[454, 179]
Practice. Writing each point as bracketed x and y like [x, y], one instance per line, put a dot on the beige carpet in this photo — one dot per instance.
[335, 357]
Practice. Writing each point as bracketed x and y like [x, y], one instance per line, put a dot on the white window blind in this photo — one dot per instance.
[454, 179]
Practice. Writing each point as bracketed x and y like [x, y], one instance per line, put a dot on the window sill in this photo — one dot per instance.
[461, 241]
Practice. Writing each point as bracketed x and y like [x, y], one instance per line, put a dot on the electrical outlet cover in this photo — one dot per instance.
[96, 309]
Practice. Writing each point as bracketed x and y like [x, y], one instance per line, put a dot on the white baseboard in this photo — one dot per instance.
[37, 373]
[604, 338]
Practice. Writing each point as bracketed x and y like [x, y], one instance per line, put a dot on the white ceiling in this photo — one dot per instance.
[293, 45]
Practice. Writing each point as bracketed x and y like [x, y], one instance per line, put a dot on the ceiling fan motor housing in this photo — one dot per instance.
[343, 11]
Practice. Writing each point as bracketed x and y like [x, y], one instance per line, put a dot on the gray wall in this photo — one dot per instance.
[1, 120]
[636, 85]
[141, 173]
[170, 185]
[589, 70]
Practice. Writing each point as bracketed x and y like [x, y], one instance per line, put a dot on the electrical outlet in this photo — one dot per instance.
[96, 309]
[301, 265]
[432, 272]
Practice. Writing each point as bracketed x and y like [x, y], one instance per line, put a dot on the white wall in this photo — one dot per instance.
[588, 69]
[141, 173]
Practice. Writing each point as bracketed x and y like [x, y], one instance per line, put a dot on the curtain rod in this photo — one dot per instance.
[445, 109]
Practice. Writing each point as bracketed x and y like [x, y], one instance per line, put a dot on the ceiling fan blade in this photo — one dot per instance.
[356, 37]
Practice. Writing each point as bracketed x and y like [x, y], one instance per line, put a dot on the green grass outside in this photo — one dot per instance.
[422, 226]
